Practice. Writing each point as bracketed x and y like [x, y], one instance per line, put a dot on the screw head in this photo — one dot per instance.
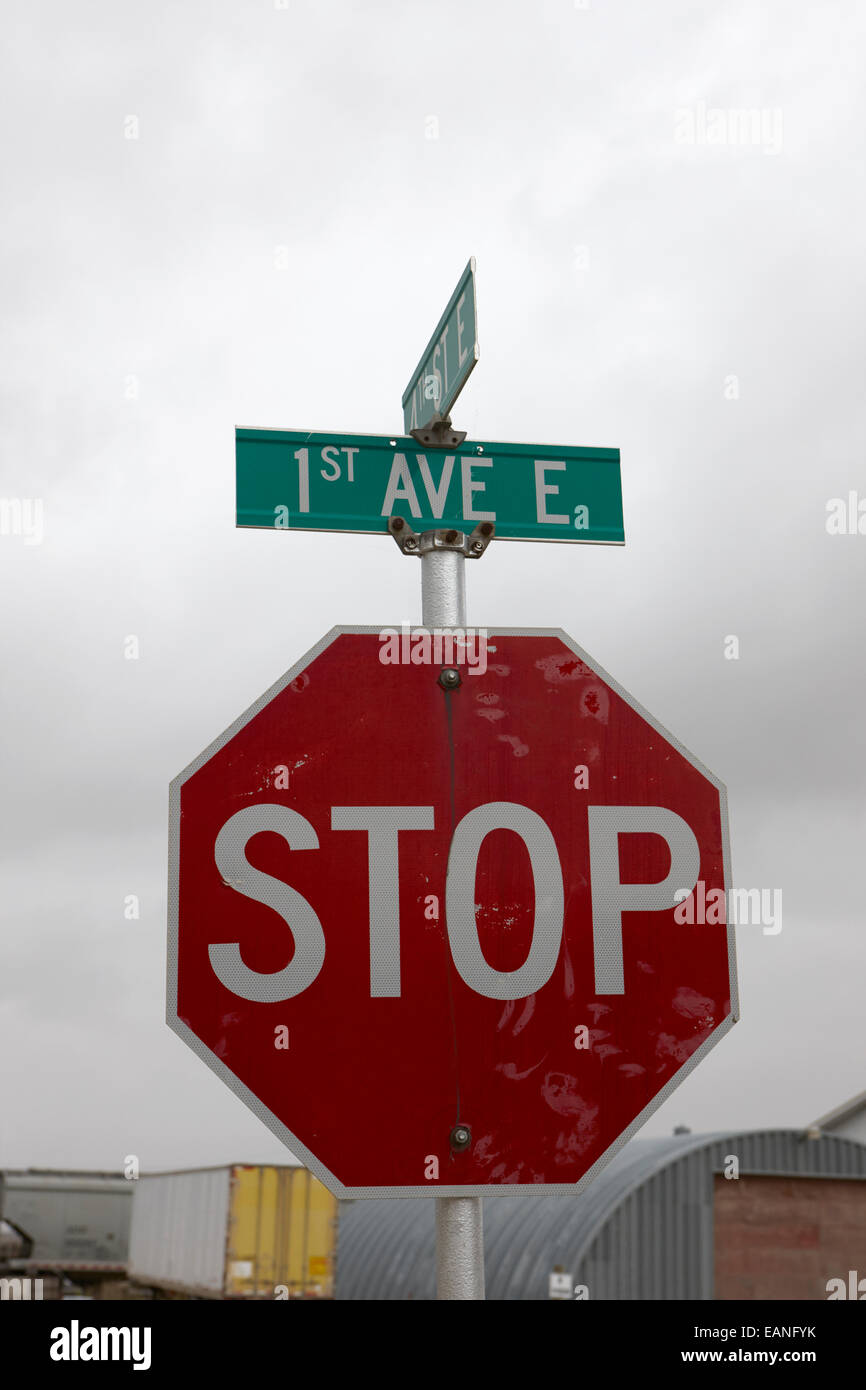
[397, 523]
[410, 543]
[449, 678]
[460, 1138]
[477, 546]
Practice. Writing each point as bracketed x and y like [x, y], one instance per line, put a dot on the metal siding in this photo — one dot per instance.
[517, 1237]
[624, 1245]
[642, 1230]
[387, 1250]
[655, 1207]
[677, 1267]
[707, 1253]
[411, 1273]
[852, 1128]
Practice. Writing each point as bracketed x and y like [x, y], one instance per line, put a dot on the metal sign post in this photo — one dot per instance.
[427, 402]
[459, 1220]
[426, 411]
[459, 1248]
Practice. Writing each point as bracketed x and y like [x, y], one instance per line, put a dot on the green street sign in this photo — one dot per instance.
[299, 480]
[447, 359]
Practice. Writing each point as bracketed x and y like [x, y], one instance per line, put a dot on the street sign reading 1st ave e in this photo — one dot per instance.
[316, 481]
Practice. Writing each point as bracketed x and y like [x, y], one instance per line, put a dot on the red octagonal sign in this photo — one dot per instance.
[449, 939]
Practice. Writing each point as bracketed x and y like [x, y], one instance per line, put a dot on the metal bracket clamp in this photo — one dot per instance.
[439, 434]
[472, 546]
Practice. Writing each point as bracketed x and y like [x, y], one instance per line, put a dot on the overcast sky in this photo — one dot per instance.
[697, 302]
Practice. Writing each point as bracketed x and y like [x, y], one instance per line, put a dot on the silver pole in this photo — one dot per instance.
[459, 1229]
[443, 588]
[459, 1248]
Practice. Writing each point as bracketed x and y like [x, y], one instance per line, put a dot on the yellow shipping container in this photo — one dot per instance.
[282, 1234]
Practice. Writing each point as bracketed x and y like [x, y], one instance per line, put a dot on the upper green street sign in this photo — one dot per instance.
[316, 481]
[447, 359]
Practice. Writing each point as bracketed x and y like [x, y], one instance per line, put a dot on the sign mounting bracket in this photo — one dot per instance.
[471, 546]
[439, 434]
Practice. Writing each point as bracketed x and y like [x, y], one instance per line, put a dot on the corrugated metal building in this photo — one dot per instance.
[662, 1221]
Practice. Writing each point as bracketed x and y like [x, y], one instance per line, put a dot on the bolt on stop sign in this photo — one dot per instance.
[425, 924]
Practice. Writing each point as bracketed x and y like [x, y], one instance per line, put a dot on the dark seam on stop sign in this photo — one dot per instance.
[448, 961]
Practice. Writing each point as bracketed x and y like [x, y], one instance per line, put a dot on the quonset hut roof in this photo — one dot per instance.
[642, 1230]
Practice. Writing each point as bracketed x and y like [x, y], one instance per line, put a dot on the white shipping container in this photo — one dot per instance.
[179, 1230]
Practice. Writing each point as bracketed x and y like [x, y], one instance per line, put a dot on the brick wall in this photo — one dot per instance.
[785, 1237]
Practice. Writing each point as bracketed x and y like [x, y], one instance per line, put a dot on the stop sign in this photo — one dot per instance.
[448, 934]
